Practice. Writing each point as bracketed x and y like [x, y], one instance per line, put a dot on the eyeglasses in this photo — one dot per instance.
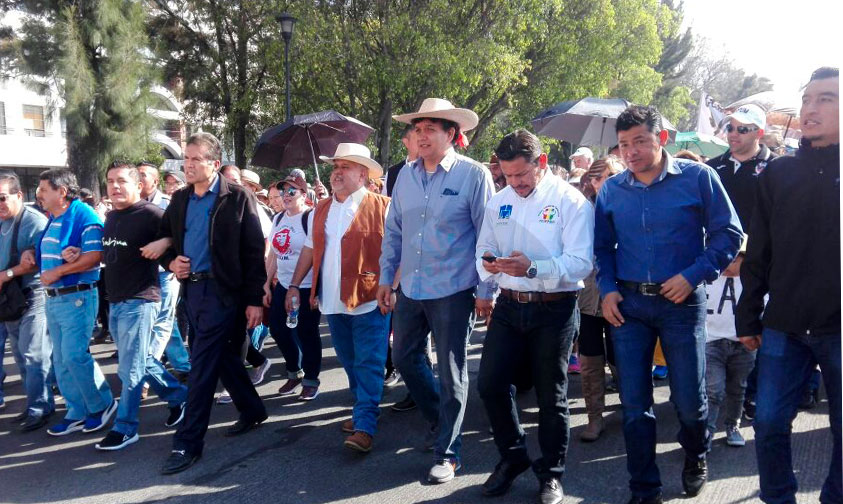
[743, 130]
[291, 191]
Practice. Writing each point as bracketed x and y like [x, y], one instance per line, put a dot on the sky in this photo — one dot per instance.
[782, 40]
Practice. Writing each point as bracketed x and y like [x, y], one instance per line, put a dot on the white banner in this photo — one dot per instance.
[710, 115]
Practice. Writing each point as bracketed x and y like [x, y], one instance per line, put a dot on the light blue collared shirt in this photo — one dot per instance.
[432, 228]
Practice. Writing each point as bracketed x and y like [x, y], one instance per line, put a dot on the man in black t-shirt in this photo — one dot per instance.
[134, 295]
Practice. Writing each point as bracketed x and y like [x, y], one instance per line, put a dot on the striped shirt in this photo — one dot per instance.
[51, 250]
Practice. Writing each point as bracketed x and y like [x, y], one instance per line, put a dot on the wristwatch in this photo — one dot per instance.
[533, 270]
[10, 273]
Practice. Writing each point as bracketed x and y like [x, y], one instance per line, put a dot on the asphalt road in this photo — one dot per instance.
[297, 455]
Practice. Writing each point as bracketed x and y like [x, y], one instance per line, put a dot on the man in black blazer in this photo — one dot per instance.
[412, 153]
[217, 252]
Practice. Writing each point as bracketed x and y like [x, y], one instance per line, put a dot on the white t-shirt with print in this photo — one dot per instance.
[288, 238]
[723, 295]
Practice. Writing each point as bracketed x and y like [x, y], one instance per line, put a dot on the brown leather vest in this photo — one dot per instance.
[360, 246]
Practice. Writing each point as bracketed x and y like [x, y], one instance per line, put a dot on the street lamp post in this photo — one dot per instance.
[287, 21]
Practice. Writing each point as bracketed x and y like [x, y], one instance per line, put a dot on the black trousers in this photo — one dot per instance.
[219, 323]
[538, 337]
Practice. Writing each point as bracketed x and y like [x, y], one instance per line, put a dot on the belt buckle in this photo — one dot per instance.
[518, 297]
[644, 288]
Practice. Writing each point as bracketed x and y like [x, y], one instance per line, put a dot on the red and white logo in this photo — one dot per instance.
[281, 241]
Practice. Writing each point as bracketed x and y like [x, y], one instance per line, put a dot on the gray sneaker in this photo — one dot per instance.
[734, 437]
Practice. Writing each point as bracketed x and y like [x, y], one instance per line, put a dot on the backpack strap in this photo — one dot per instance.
[304, 217]
[278, 218]
[14, 245]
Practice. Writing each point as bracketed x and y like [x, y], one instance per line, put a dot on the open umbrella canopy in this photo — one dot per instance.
[301, 140]
[589, 121]
[772, 101]
[698, 143]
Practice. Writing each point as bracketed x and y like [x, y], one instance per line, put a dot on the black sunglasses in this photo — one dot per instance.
[291, 191]
[743, 130]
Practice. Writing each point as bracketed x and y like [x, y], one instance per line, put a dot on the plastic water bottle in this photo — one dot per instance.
[293, 316]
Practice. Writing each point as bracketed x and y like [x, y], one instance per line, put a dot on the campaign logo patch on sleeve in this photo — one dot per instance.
[505, 212]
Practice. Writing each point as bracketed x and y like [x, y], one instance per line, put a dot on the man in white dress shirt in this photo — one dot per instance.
[537, 243]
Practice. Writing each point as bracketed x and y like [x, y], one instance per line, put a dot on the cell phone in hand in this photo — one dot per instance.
[489, 258]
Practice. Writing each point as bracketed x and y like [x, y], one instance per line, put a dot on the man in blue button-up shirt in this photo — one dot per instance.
[662, 228]
[437, 208]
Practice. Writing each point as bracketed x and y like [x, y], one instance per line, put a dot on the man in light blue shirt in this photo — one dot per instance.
[437, 208]
[28, 338]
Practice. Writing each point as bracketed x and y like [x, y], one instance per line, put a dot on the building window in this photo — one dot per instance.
[2, 118]
[33, 120]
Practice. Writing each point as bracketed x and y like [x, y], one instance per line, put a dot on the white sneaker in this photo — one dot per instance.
[443, 471]
[257, 374]
[224, 398]
[734, 437]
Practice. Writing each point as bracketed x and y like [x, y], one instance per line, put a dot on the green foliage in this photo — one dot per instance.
[93, 53]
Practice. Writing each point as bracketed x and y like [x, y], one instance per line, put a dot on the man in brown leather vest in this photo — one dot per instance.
[344, 252]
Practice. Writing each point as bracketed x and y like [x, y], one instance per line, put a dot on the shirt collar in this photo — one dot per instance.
[447, 162]
[213, 188]
[356, 197]
[669, 167]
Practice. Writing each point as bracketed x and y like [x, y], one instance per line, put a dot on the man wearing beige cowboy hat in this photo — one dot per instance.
[431, 232]
[343, 250]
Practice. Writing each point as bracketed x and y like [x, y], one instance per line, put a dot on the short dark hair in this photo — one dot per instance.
[635, 115]
[407, 130]
[519, 143]
[444, 123]
[227, 167]
[87, 196]
[11, 180]
[62, 177]
[825, 72]
[133, 170]
[212, 145]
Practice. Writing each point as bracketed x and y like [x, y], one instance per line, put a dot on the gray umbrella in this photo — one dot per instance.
[589, 121]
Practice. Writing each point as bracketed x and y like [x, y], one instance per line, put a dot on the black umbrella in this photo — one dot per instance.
[589, 121]
[300, 140]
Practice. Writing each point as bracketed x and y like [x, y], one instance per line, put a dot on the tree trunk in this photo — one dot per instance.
[385, 131]
[82, 165]
[241, 123]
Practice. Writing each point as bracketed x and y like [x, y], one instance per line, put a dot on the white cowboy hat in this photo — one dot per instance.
[438, 108]
[251, 177]
[356, 153]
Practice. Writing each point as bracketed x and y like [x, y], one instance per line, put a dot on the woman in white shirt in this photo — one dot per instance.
[301, 346]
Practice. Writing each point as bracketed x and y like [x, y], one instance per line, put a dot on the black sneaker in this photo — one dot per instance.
[178, 461]
[34, 422]
[176, 415]
[116, 441]
[694, 476]
[406, 404]
[749, 409]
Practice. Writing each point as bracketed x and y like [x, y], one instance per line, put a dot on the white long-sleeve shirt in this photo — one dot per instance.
[553, 226]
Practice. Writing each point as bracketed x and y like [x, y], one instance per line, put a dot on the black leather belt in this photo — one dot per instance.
[67, 290]
[536, 297]
[645, 289]
[199, 276]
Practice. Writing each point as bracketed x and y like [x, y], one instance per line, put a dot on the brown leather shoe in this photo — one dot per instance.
[348, 426]
[359, 441]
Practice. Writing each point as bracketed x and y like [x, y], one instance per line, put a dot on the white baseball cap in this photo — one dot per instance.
[582, 151]
[750, 114]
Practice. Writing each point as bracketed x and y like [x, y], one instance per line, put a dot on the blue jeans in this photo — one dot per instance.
[785, 364]
[681, 328]
[441, 402]
[131, 324]
[70, 320]
[360, 342]
[166, 336]
[32, 349]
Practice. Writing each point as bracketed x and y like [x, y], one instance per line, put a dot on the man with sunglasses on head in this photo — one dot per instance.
[739, 166]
